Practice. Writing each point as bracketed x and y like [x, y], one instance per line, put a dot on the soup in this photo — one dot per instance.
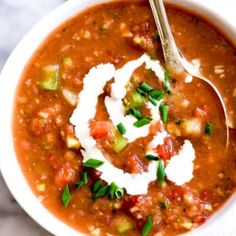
[112, 144]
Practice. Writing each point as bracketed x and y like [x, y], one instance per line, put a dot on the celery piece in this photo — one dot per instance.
[51, 77]
[119, 143]
[135, 100]
[124, 226]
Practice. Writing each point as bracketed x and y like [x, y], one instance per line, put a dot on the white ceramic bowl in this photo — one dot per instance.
[9, 79]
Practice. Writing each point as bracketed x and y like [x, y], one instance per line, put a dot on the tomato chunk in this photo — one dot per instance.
[177, 193]
[100, 129]
[65, 175]
[166, 150]
[39, 125]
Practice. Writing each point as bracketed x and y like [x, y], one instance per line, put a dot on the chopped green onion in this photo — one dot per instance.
[83, 181]
[93, 163]
[112, 190]
[119, 193]
[208, 129]
[164, 205]
[146, 88]
[119, 143]
[147, 227]
[142, 122]
[152, 157]
[152, 100]
[161, 172]
[157, 94]
[136, 113]
[121, 128]
[167, 82]
[50, 80]
[139, 91]
[66, 196]
[115, 191]
[101, 192]
[164, 109]
[96, 186]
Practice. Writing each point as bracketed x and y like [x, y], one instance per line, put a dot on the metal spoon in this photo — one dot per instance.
[174, 62]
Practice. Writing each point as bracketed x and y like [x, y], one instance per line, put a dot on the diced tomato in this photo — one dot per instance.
[166, 150]
[177, 193]
[100, 129]
[134, 165]
[38, 125]
[65, 175]
[129, 202]
[199, 219]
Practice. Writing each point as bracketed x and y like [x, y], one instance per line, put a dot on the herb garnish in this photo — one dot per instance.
[93, 163]
[161, 173]
[147, 227]
[142, 122]
[164, 109]
[66, 196]
[121, 128]
[83, 181]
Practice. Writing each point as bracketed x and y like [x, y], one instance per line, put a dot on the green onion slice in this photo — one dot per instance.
[152, 157]
[164, 109]
[112, 190]
[164, 205]
[66, 196]
[119, 193]
[136, 113]
[142, 122]
[101, 192]
[146, 88]
[148, 226]
[208, 129]
[83, 181]
[121, 128]
[93, 163]
[161, 173]
[157, 94]
[152, 100]
[141, 92]
[167, 82]
[115, 191]
[96, 186]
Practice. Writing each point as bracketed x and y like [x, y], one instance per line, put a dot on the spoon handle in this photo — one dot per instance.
[171, 54]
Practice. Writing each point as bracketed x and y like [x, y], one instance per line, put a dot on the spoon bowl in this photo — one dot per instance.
[175, 63]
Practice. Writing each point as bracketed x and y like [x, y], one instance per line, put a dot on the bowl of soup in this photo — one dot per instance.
[98, 139]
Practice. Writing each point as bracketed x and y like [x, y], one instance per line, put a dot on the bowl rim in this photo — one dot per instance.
[10, 167]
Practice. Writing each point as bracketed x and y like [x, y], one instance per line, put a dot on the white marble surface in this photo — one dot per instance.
[16, 18]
